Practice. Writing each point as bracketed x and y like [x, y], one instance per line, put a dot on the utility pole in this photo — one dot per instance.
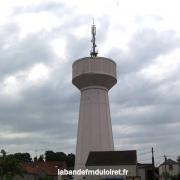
[154, 176]
[165, 163]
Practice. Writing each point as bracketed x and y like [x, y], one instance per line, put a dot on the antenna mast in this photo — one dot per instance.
[93, 52]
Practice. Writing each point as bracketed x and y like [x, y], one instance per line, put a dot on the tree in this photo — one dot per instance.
[46, 178]
[60, 156]
[178, 177]
[23, 157]
[35, 159]
[166, 175]
[50, 156]
[41, 158]
[9, 166]
[70, 160]
[55, 156]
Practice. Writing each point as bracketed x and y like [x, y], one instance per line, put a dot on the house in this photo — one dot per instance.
[169, 167]
[147, 171]
[41, 170]
[114, 160]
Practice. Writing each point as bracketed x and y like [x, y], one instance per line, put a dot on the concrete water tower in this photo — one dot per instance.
[94, 77]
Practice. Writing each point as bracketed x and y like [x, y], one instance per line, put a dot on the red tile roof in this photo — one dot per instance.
[49, 168]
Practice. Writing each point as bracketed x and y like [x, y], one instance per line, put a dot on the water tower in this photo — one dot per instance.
[94, 76]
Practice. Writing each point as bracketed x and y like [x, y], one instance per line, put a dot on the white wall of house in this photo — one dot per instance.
[174, 170]
[142, 172]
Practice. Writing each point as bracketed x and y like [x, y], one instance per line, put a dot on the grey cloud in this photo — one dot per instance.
[20, 54]
[134, 90]
[150, 107]
[145, 46]
[41, 108]
[50, 7]
[75, 51]
[102, 29]
[41, 111]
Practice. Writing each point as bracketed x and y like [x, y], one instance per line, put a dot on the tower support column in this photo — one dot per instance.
[94, 128]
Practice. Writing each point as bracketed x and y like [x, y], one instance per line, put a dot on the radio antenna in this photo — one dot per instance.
[93, 52]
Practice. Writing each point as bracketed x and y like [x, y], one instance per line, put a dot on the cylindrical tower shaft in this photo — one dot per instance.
[94, 77]
[94, 129]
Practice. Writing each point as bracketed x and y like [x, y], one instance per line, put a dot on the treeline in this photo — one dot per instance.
[60, 156]
[48, 156]
[11, 164]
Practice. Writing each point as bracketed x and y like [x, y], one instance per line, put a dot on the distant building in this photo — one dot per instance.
[114, 160]
[41, 170]
[147, 171]
[169, 167]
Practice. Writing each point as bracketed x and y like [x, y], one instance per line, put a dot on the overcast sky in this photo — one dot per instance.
[39, 40]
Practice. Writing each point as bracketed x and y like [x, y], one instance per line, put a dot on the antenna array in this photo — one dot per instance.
[93, 52]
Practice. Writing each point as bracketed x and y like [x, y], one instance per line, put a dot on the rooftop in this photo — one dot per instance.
[105, 158]
[169, 162]
[49, 168]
